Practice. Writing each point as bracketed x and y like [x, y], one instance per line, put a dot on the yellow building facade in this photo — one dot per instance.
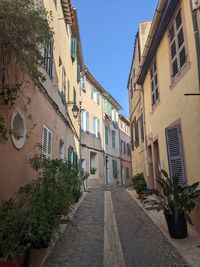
[168, 79]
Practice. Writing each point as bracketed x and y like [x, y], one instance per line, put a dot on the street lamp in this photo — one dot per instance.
[75, 111]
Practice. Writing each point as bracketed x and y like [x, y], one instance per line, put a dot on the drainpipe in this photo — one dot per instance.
[145, 136]
[196, 36]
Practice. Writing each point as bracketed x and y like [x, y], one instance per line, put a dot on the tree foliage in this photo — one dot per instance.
[24, 27]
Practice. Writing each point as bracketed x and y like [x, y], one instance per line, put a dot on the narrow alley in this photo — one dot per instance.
[110, 229]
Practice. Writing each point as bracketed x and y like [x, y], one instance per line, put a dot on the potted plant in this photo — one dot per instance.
[139, 184]
[13, 230]
[93, 170]
[176, 201]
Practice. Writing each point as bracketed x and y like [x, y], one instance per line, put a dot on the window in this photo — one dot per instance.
[133, 134]
[47, 143]
[78, 73]
[48, 57]
[127, 173]
[74, 95]
[73, 48]
[177, 45]
[154, 84]
[106, 134]
[18, 129]
[129, 149]
[136, 133]
[175, 153]
[141, 128]
[63, 90]
[61, 150]
[83, 83]
[72, 156]
[92, 92]
[85, 121]
[96, 127]
[125, 151]
[115, 171]
[113, 139]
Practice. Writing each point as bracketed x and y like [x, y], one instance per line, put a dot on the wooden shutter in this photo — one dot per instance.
[74, 95]
[136, 133]
[69, 154]
[106, 134]
[78, 73]
[113, 139]
[175, 153]
[73, 48]
[132, 135]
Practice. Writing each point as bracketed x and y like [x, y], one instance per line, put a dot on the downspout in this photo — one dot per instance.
[196, 36]
[145, 136]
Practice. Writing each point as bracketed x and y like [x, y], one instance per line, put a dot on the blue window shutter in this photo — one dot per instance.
[73, 48]
[87, 122]
[175, 153]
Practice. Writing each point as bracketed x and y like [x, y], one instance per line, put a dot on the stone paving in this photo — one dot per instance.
[142, 244]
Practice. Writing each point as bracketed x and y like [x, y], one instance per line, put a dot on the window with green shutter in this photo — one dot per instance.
[78, 73]
[74, 95]
[115, 172]
[113, 139]
[106, 134]
[70, 154]
[73, 48]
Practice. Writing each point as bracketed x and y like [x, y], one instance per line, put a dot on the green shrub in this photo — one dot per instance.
[13, 230]
[56, 188]
[139, 183]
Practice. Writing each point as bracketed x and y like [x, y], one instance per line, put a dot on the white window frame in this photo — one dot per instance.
[178, 49]
[47, 151]
[83, 83]
[154, 84]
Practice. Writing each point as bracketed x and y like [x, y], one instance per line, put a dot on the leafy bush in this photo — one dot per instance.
[139, 183]
[175, 199]
[55, 189]
[13, 230]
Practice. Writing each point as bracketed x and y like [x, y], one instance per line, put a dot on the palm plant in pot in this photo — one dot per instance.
[176, 201]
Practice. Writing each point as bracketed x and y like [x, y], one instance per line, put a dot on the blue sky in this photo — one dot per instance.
[108, 29]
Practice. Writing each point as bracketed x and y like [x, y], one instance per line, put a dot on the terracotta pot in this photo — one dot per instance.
[13, 263]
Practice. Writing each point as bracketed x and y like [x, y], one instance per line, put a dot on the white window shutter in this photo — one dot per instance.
[47, 143]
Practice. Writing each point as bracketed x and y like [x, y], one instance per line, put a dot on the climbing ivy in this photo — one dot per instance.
[24, 27]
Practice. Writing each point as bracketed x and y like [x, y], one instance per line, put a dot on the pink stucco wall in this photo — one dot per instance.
[14, 168]
[125, 159]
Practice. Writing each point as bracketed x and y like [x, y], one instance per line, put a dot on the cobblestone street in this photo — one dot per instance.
[110, 229]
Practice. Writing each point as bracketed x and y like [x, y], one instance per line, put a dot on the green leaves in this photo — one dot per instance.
[139, 183]
[174, 198]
